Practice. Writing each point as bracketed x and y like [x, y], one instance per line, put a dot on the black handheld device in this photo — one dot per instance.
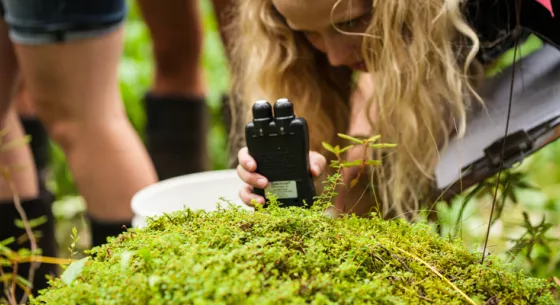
[279, 143]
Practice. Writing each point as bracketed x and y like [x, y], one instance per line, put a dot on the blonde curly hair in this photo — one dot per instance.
[424, 52]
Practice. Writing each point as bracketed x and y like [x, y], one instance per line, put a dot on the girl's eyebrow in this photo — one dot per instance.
[355, 9]
[351, 13]
[341, 19]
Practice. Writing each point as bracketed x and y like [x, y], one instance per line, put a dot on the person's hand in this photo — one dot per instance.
[246, 171]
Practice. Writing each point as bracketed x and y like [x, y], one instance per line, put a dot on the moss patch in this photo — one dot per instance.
[288, 255]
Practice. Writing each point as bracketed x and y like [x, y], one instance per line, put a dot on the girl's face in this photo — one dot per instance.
[313, 19]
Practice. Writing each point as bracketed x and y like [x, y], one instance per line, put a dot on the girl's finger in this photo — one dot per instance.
[318, 163]
[245, 160]
[247, 196]
[253, 179]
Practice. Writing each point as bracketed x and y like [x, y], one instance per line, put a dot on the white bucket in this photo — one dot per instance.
[195, 191]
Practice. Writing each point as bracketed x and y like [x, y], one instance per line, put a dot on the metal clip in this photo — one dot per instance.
[515, 148]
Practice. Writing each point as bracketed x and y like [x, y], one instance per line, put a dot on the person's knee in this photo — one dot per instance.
[66, 120]
[68, 129]
[63, 130]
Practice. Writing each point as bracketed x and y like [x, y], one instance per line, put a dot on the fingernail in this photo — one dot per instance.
[250, 164]
[316, 169]
[262, 182]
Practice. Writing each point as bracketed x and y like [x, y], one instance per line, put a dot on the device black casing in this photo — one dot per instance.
[279, 143]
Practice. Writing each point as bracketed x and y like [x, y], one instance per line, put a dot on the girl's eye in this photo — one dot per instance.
[350, 24]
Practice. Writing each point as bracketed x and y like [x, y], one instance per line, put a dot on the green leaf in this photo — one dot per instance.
[4, 250]
[337, 149]
[7, 241]
[334, 163]
[352, 163]
[72, 272]
[6, 277]
[328, 147]
[373, 162]
[382, 145]
[349, 138]
[346, 148]
[374, 138]
[23, 281]
[33, 223]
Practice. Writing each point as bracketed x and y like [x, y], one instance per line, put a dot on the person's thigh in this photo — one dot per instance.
[68, 51]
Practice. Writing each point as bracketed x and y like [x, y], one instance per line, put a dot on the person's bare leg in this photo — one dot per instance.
[176, 31]
[177, 115]
[25, 178]
[19, 160]
[33, 202]
[21, 101]
[33, 127]
[75, 90]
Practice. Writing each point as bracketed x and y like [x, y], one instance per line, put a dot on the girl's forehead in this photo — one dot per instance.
[314, 14]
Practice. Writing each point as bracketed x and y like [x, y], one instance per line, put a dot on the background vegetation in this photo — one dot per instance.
[529, 243]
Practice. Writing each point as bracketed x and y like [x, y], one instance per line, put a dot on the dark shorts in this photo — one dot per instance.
[51, 21]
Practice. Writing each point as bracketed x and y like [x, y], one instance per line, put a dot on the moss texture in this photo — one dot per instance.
[287, 256]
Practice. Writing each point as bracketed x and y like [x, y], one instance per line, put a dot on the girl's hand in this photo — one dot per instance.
[246, 171]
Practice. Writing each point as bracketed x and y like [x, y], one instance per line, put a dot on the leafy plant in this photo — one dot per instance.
[338, 164]
[289, 255]
[10, 259]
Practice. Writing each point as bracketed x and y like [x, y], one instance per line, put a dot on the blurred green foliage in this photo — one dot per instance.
[528, 228]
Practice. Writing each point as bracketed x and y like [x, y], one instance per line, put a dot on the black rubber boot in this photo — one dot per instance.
[39, 141]
[176, 134]
[101, 230]
[46, 239]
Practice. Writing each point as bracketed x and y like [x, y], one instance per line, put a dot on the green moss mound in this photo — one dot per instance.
[288, 256]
